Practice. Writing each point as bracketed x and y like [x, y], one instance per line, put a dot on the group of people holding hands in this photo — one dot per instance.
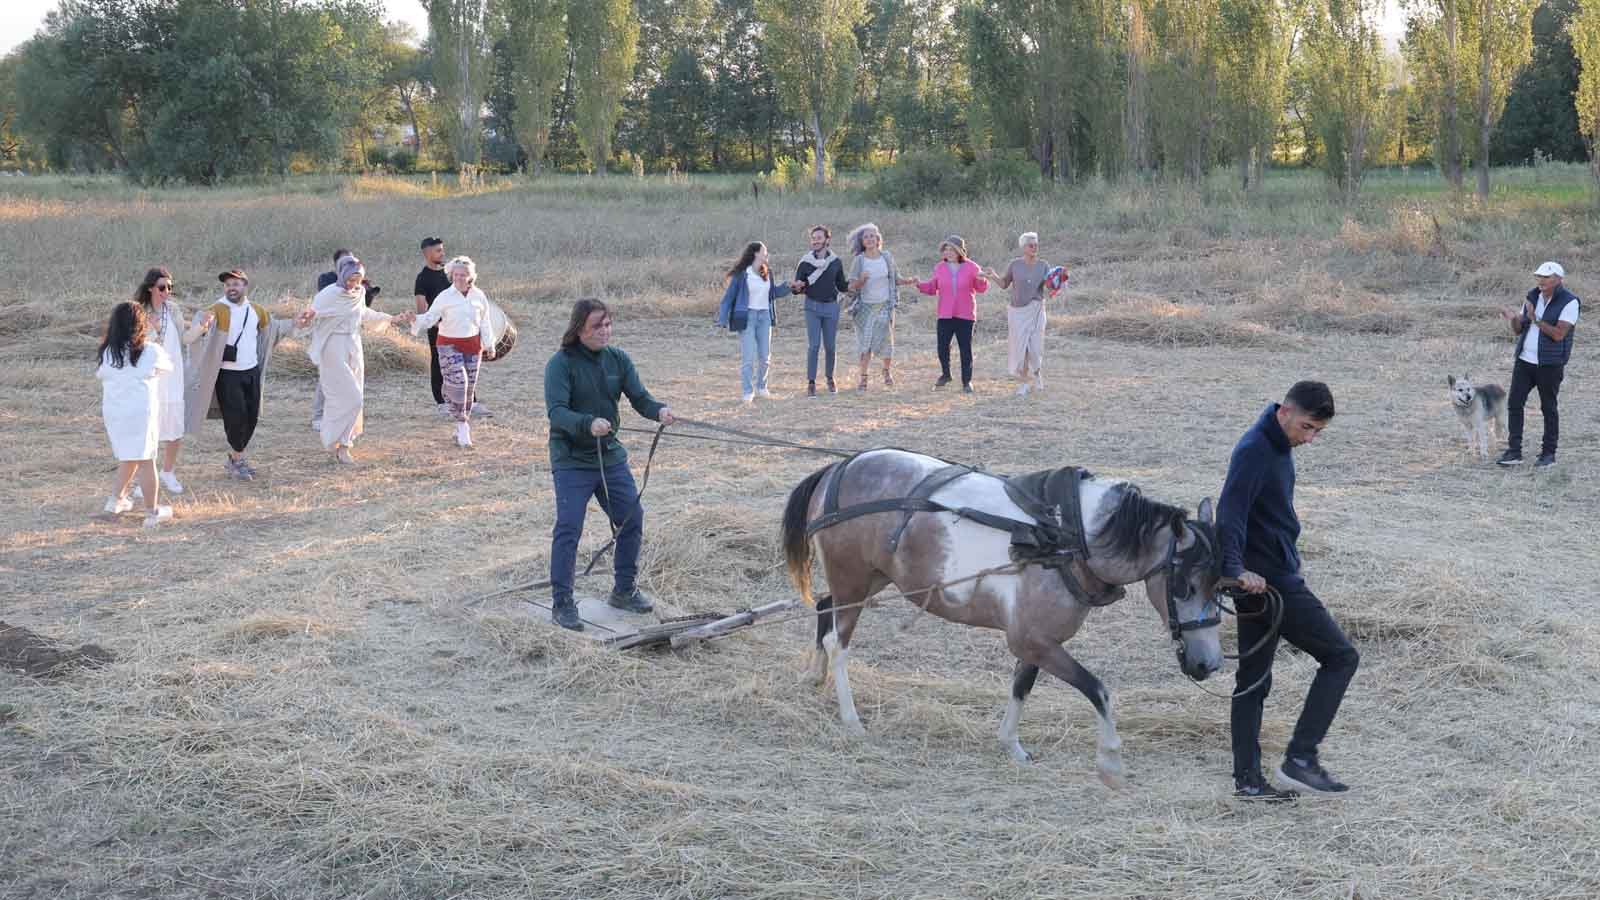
[152, 395]
[868, 287]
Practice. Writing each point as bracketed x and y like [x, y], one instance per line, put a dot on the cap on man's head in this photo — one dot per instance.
[432, 242]
[233, 273]
[1550, 268]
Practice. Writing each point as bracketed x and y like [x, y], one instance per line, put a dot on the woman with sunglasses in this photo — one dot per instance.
[167, 328]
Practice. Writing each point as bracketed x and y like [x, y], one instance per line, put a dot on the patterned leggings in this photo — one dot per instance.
[460, 372]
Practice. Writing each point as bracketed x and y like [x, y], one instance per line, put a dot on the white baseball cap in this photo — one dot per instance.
[1550, 268]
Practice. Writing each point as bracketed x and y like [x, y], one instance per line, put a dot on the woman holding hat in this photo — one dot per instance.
[1025, 318]
[337, 314]
[465, 338]
[956, 281]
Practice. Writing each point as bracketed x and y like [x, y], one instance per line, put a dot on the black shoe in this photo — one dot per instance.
[966, 387]
[1545, 459]
[1254, 787]
[811, 389]
[943, 380]
[1510, 458]
[831, 388]
[1308, 775]
[565, 614]
[633, 601]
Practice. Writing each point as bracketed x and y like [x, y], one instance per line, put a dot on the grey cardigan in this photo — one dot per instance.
[856, 263]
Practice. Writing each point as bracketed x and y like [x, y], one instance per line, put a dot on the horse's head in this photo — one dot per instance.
[1184, 591]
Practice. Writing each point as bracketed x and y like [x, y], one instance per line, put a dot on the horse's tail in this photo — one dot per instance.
[796, 542]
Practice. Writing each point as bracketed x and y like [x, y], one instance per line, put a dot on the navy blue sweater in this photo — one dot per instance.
[1255, 517]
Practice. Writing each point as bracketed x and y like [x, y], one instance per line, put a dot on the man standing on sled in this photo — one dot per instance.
[1258, 528]
[583, 384]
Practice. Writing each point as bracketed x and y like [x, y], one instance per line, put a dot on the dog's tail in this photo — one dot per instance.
[1493, 398]
[796, 542]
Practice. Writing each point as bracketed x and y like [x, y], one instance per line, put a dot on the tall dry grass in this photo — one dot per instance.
[303, 705]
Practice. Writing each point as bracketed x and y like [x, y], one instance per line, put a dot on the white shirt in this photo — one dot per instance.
[458, 316]
[1530, 338]
[760, 289]
[238, 318]
[877, 289]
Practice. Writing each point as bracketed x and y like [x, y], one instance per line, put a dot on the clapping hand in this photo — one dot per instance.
[207, 319]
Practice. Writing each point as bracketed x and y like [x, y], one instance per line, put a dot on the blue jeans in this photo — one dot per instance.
[755, 351]
[574, 487]
[822, 332]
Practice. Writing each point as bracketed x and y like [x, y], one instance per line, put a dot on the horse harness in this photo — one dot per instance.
[1054, 539]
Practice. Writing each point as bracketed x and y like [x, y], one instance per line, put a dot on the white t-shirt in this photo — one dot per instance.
[1530, 338]
[242, 325]
[760, 289]
[877, 289]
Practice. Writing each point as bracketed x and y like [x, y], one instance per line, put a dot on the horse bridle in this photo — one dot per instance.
[1179, 565]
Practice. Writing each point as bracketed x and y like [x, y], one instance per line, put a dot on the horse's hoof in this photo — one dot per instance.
[1110, 771]
[854, 730]
[1019, 754]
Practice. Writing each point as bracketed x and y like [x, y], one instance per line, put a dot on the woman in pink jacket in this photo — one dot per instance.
[957, 281]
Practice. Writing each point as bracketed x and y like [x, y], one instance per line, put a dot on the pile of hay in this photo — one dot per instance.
[1162, 324]
[389, 350]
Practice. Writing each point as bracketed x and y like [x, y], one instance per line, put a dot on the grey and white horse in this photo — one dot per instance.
[1129, 537]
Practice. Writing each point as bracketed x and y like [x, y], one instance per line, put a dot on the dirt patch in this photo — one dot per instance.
[41, 657]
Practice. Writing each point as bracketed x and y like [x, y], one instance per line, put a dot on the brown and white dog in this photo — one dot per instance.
[1481, 408]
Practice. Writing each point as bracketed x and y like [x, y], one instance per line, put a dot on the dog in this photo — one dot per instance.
[1481, 408]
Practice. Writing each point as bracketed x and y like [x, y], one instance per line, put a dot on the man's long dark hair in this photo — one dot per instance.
[581, 311]
[748, 257]
[124, 335]
[142, 294]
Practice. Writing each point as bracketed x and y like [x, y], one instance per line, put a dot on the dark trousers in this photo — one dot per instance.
[435, 374]
[961, 330]
[620, 501]
[1307, 625]
[1525, 376]
[239, 398]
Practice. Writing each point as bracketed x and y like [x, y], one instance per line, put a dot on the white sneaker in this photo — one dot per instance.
[137, 493]
[170, 481]
[764, 394]
[1038, 382]
[117, 506]
[155, 517]
[463, 435]
[1022, 390]
[748, 399]
[443, 410]
[481, 411]
[316, 424]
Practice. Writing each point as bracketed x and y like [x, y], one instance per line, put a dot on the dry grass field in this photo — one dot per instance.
[303, 704]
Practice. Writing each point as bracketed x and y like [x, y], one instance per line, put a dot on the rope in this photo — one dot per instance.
[752, 437]
[1274, 606]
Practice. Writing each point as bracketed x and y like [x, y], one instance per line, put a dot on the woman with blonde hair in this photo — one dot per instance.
[466, 337]
[1025, 318]
[875, 281]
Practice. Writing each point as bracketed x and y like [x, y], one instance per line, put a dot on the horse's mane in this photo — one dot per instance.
[1133, 520]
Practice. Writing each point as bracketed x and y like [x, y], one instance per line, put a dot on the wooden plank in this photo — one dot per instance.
[720, 627]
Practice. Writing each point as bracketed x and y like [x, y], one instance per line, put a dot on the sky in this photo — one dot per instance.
[20, 18]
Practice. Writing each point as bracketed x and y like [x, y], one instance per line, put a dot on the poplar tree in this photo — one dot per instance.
[1344, 62]
[604, 38]
[534, 32]
[458, 37]
[811, 47]
[1585, 30]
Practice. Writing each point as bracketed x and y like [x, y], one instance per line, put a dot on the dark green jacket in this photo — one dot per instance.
[581, 386]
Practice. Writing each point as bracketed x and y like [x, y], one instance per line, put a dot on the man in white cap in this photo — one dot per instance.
[1543, 327]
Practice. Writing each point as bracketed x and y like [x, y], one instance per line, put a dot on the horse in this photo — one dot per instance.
[892, 517]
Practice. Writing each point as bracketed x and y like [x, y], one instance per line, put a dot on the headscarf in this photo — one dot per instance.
[348, 266]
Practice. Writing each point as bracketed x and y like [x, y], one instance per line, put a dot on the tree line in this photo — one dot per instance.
[206, 90]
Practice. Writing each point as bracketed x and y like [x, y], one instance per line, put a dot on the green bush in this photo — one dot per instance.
[920, 178]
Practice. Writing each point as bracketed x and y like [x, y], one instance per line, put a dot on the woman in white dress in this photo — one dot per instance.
[166, 327]
[337, 316]
[465, 338]
[130, 370]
